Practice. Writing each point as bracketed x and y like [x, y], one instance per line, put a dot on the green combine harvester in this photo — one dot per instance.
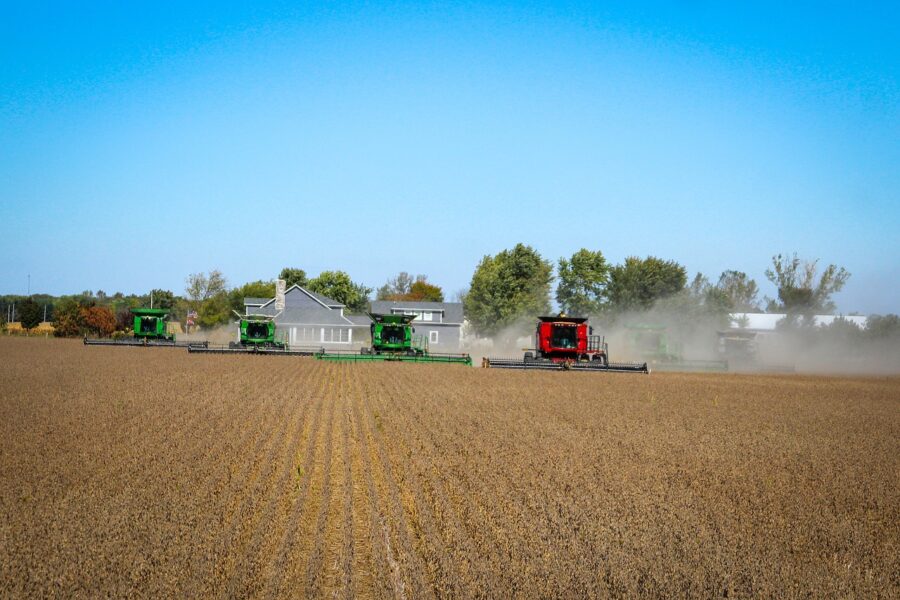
[149, 330]
[393, 340]
[651, 343]
[256, 336]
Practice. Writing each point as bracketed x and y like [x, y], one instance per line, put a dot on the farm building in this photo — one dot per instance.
[763, 322]
[439, 322]
[310, 319]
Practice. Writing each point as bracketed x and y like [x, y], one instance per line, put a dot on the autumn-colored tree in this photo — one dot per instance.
[67, 316]
[100, 319]
[421, 291]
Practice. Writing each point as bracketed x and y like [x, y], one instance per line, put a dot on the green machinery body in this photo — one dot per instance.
[150, 324]
[652, 343]
[256, 335]
[149, 331]
[259, 330]
[394, 334]
[393, 339]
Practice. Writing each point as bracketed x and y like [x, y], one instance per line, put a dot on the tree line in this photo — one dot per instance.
[516, 284]
[512, 286]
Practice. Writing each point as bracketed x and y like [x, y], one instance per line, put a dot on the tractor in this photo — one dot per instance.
[566, 343]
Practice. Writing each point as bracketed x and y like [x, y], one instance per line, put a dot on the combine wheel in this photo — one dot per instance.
[529, 356]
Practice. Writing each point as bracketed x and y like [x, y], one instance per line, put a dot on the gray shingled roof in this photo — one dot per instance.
[324, 299]
[307, 316]
[359, 320]
[453, 311]
[329, 302]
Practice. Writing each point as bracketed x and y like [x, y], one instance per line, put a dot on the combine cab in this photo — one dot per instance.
[393, 340]
[256, 336]
[566, 343]
[149, 330]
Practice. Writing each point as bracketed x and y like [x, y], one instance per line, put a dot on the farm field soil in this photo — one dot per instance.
[152, 472]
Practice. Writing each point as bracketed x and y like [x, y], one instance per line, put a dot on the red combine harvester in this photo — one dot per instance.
[566, 343]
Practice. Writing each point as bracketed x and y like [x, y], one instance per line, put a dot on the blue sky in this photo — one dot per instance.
[142, 143]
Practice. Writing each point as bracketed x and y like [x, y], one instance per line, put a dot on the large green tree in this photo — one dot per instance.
[160, 298]
[883, 327]
[338, 286]
[207, 294]
[253, 289]
[203, 286]
[740, 290]
[29, 313]
[215, 310]
[639, 282]
[800, 290]
[581, 290]
[506, 287]
[702, 300]
[293, 276]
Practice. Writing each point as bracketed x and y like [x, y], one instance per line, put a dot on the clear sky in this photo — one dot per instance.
[143, 142]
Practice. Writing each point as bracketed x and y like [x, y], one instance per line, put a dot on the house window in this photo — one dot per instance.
[305, 334]
[336, 335]
[432, 337]
[427, 315]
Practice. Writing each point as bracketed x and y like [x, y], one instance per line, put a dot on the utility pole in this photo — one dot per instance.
[29, 285]
[151, 298]
[45, 313]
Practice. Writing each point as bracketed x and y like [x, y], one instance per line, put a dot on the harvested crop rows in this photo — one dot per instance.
[132, 471]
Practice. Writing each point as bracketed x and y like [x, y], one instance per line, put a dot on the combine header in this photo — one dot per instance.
[149, 330]
[393, 340]
[566, 343]
[257, 336]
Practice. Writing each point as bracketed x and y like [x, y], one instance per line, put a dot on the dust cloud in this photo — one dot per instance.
[670, 338]
[219, 335]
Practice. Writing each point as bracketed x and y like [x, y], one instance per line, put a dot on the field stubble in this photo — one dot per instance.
[132, 471]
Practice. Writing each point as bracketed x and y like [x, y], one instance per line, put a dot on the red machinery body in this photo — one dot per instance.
[565, 344]
[567, 339]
